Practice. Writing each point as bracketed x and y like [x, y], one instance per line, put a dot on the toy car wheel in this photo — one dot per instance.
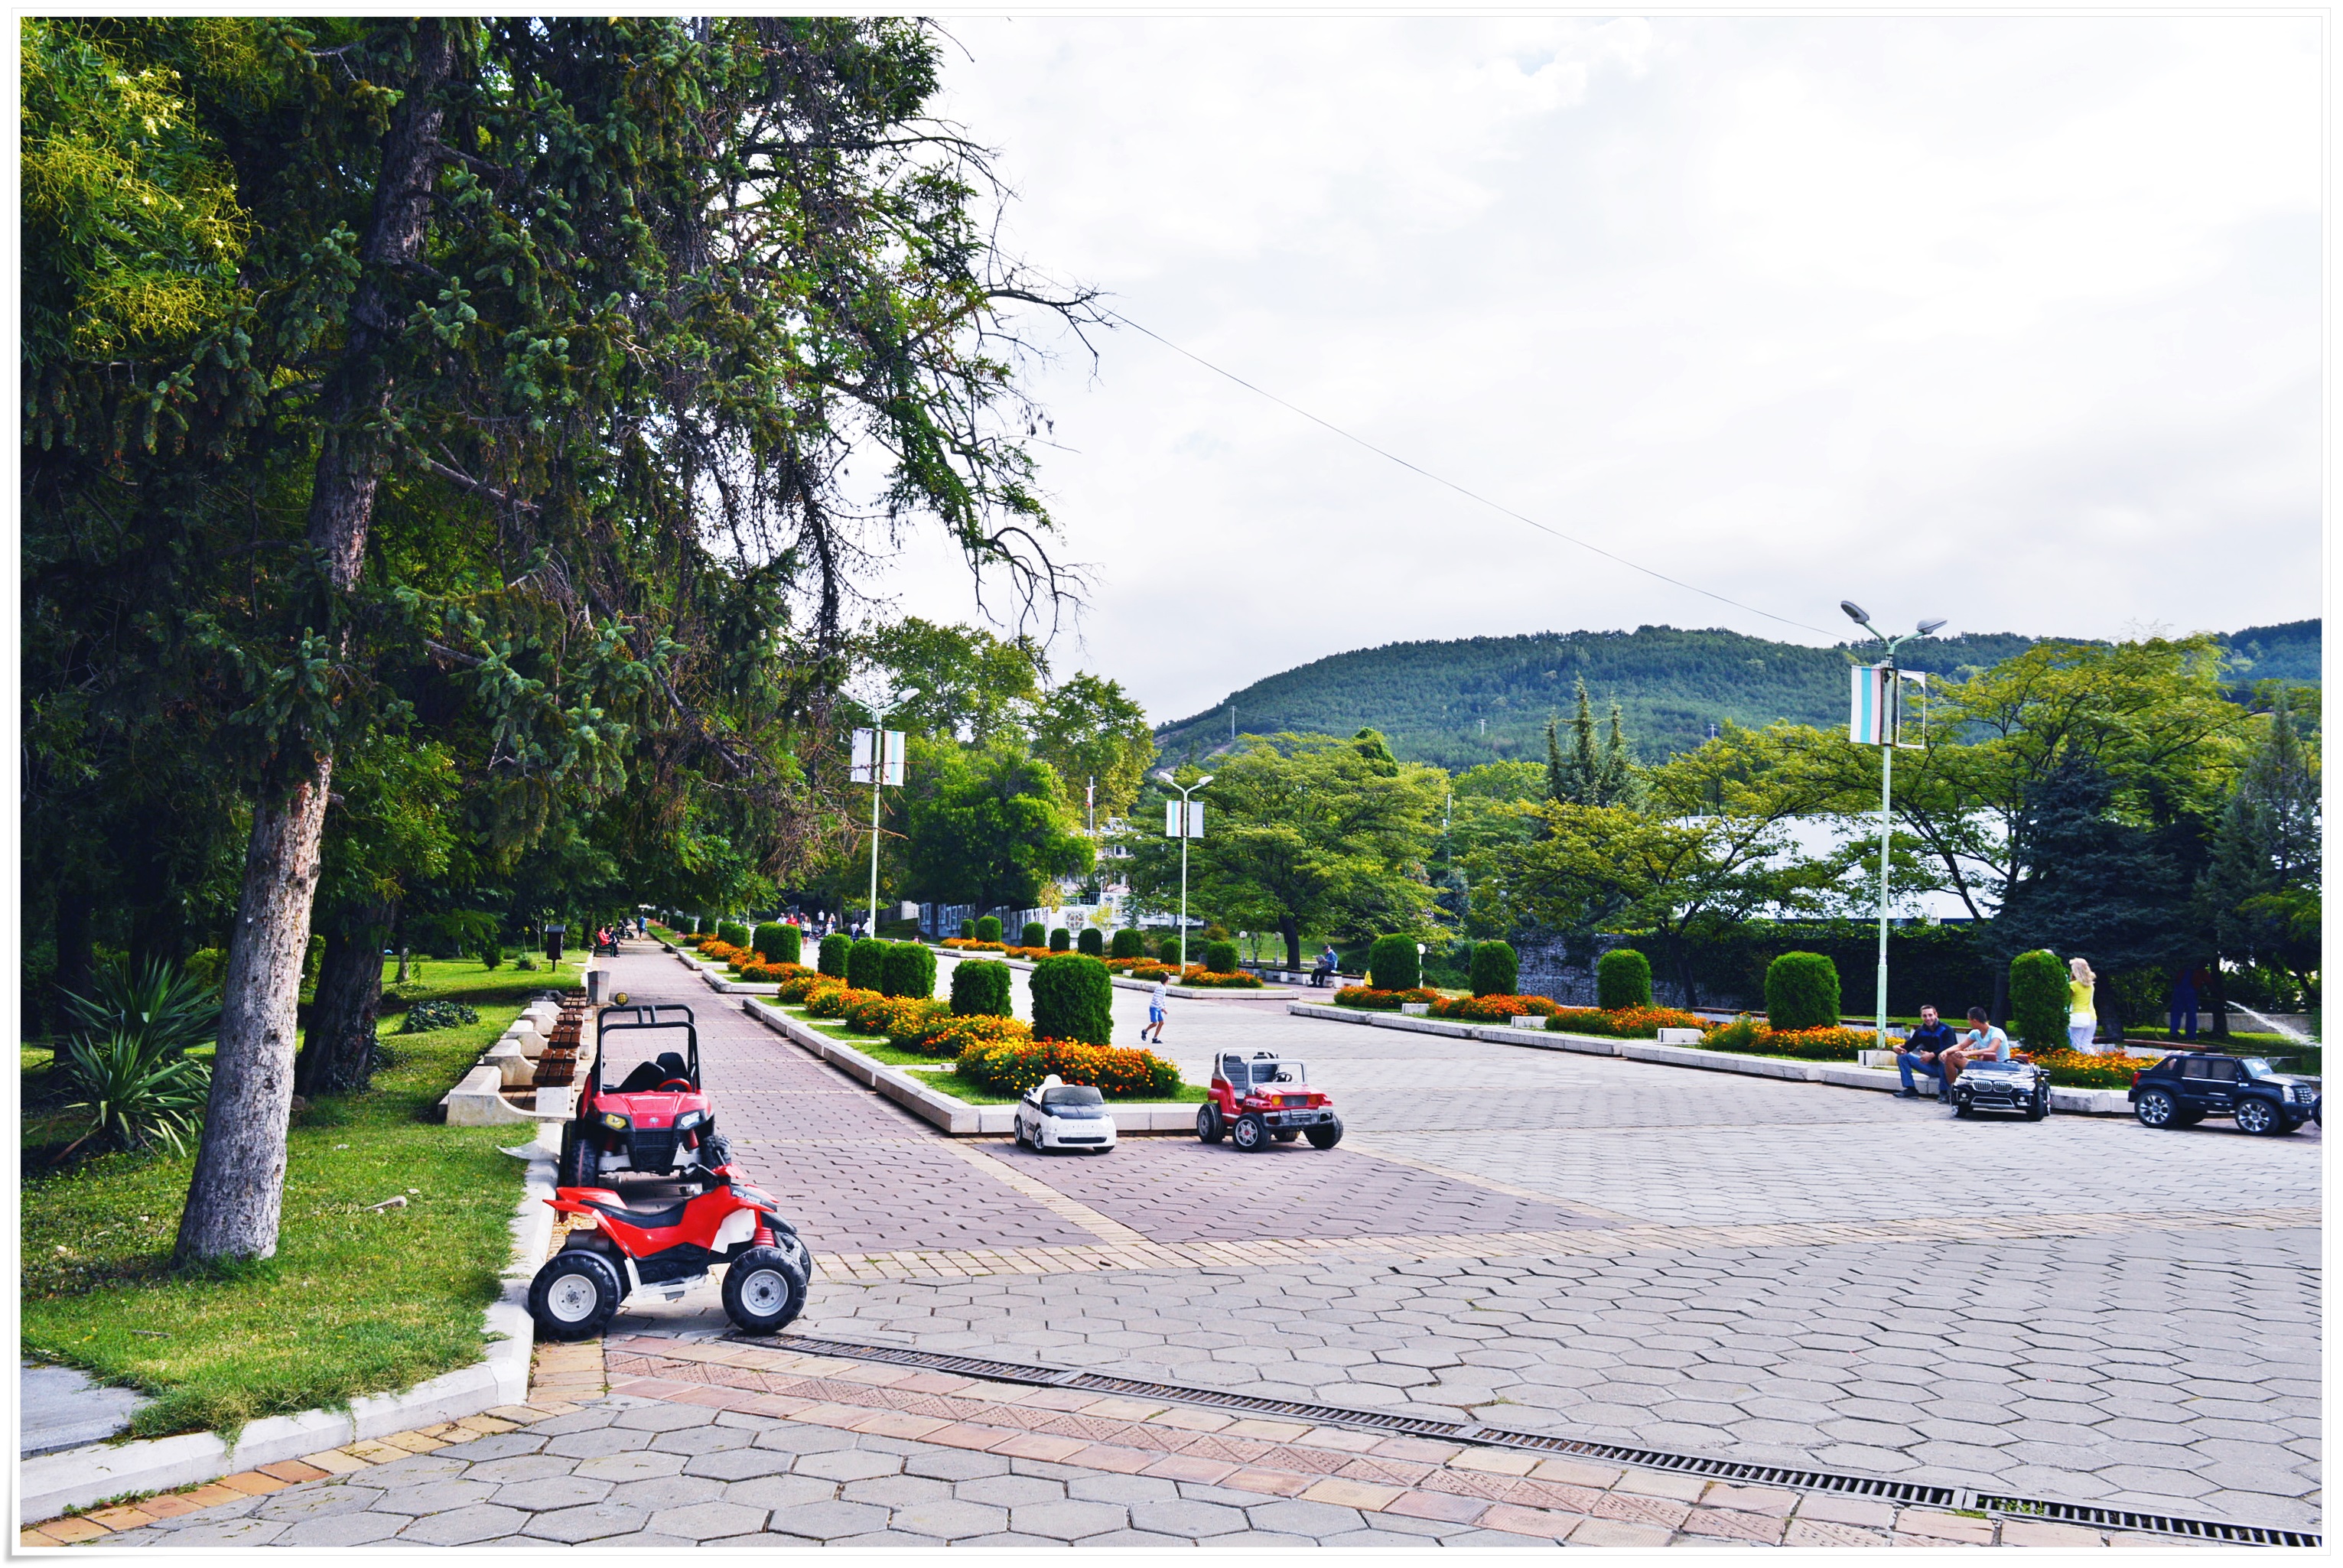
[1208, 1123]
[2259, 1117]
[575, 1295]
[2156, 1107]
[1286, 1134]
[763, 1290]
[2039, 1106]
[715, 1151]
[1326, 1134]
[579, 1166]
[1250, 1133]
[1960, 1108]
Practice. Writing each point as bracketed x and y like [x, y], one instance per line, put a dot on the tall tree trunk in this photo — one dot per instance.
[1999, 1011]
[1292, 932]
[233, 1201]
[76, 949]
[337, 1057]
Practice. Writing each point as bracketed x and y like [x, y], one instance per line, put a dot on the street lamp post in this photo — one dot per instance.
[1887, 775]
[1188, 830]
[879, 756]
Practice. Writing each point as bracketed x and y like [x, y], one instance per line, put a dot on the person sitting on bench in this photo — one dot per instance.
[1924, 1053]
[1324, 973]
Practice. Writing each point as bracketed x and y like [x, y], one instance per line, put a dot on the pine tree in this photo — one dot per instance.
[2261, 889]
[1585, 766]
[1557, 784]
[1613, 784]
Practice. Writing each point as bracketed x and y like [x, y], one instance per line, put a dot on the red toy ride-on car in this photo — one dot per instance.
[1262, 1098]
[656, 1121]
[616, 1251]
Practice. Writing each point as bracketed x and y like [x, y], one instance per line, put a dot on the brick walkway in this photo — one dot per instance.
[1596, 1248]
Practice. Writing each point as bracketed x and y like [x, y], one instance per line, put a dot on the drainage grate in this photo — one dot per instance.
[1902, 1491]
[2157, 1523]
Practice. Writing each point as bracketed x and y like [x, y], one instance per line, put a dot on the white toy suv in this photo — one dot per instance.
[1056, 1115]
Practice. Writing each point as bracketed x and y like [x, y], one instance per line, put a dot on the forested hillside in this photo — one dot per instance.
[1462, 703]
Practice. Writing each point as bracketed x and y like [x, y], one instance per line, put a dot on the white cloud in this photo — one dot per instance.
[2018, 317]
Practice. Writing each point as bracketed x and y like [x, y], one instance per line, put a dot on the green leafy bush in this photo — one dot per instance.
[1072, 1000]
[1393, 964]
[968, 931]
[1168, 947]
[1034, 936]
[831, 959]
[865, 964]
[910, 971]
[988, 929]
[132, 1093]
[167, 1013]
[781, 943]
[435, 1013]
[1061, 941]
[1623, 978]
[1801, 993]
[1129, 943]
[980, 988]
[1220, 958]
[1495, 970]
[733, 932]
[1090, 940]
[2037, 999]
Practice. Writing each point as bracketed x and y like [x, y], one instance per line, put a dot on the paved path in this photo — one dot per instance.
[1753, 1270]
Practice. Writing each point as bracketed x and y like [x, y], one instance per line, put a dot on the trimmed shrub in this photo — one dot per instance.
[1393, 964]
[781, 943]
[797, 990]
[1090, 940]
[2037, 1001]
[910, 971]
[1072, 1000]
[831, 959]
[1128, 943]
[1034, 937]
[1623, 978]
[1371, 1000]
[1061, 941]
[968, 931]
[435, 1013]
[732, 932]
[1800, 993]
[988, 929]
[1220, 958]
[1499, 1009]
[980, 989]
[1013, 1067]
[1495, 970]
[865, 964]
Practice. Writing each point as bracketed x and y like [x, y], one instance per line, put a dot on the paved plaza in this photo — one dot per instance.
[1753, 1270]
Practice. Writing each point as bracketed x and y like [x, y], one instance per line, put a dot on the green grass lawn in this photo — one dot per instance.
[943, 1074]
[354, 1303]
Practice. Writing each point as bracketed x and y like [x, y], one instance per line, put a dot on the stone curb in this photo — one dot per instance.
[712, 974]
[48, 1485]
[954, 1116]
[1840, 1075]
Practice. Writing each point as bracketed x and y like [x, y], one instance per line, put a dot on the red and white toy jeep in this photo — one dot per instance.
[1262, 1098]
[656, 1120]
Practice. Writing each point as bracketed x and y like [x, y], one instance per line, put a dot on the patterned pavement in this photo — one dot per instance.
[1744, 1268]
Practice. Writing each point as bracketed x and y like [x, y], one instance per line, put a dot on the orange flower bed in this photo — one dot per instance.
[1626, 1022]
[1373, 1000]
[1010, 1067]
[970, 945]
[1495, 1009]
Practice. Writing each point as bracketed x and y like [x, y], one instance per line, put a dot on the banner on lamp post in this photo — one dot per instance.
[1183, 820]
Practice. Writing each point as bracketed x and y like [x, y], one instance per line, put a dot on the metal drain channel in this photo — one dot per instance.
[1902, 1491]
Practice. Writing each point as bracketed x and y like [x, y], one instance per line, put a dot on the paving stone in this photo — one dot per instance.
[229, 1533]
[1122, 1489]
[955, 1465]
[1292, 1516]
[639, 1466]
[848, 1465]
[708, 1521]
[314, 1502]
[740, 1463]
[948, 1519]
[1066, 1521]
[778, 1492]
[826, 1521]
[1188, 1517]
[660, 1418]
[358, 1529]
[434, 1497]
[593, 1522]
[667, 1492]
[545, 1492]
[463, 1526]
[1007, 1490]
[703, 1439]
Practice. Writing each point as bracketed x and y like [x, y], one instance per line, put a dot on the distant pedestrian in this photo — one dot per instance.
[2183, 1001]
[2082, 1017]
[1155, 1012]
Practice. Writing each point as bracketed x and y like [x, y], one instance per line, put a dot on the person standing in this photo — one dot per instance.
[2082, 1018]
[1155, 1000]
[2184, 1002]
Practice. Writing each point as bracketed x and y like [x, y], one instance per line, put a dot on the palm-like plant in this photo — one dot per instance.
[152, 1003]
[131, 1096]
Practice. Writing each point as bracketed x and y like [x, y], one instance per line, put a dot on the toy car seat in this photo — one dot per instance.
[652, 1074]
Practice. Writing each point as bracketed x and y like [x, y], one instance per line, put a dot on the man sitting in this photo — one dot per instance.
[1324, 974]
[1983, 1042]
[1924, 1053]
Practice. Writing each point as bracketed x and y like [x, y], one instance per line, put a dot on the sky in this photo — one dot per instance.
[2015, 321]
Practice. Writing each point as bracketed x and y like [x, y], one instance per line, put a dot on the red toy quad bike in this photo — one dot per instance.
[656, 1121]
[616, 1251]
[1262, 1099]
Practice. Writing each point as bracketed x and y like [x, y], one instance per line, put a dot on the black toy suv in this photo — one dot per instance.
[2185, 1088]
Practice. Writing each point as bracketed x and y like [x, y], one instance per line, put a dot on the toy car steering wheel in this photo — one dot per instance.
[680, 1085]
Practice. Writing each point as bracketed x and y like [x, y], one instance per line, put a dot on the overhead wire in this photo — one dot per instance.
[1468, 494]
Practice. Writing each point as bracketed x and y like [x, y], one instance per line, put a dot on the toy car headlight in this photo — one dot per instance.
[689, 1119]
[614, 1121]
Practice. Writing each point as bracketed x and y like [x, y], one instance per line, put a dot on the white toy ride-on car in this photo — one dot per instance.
[1058, 1115]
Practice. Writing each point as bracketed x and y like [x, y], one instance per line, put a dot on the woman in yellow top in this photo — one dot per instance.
[2082, 1020]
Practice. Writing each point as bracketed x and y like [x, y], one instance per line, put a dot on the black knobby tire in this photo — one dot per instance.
[579, 1166]
[575, 1295]
[715, 1151]
[1250, 1133]
[2259, 1117]
[2039, 1107]
[1960, 1108]
[2156, 1107]
[1286, 1134]
[1209, 1127]
[764, 1291]
[2187, 1118]
[1326, 1134]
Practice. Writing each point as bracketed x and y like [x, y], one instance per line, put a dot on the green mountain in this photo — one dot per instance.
[1487, 698]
